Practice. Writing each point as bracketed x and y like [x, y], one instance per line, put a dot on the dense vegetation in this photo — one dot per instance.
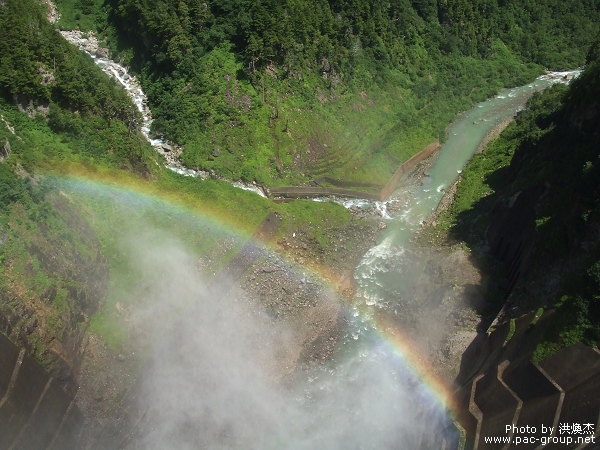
[58, 111]
[281, 91]
[272, 91]
[65, 219]
[554, 144]
[49, 78]
[63, 266]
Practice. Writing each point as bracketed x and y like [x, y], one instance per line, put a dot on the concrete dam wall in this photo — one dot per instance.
[501, 387]
[316, 191]
[407, 167]
[36, 411]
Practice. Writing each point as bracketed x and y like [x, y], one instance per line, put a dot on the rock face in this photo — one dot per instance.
[5, 150]
[52, 13]
[512, 232]
[30, 107]
[36, 412]
[86, 42]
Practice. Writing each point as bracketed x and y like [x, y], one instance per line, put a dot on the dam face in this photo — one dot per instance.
[37, 412]
[542, 403]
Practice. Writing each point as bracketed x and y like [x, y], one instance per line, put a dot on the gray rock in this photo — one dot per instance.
[5, 150]
[102, 52]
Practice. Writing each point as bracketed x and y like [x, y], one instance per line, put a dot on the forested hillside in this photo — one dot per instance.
[65, 129]
[58, 112]
[284, 91]
[50, 80]
[538, 186]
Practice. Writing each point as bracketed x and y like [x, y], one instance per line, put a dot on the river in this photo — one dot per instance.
[391, 276]
[384, 268]
[380, 390]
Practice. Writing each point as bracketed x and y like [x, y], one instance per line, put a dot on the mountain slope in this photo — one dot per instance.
[284, 91]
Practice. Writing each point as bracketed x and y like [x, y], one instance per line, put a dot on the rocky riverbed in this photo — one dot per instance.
[288, 289]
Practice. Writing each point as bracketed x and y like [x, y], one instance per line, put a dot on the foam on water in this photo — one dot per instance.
[382, 209]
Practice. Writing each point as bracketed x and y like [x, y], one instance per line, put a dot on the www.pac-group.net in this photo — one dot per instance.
[565, 433]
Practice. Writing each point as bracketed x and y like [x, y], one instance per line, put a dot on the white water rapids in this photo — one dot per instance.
[89, 44]
[388, 270]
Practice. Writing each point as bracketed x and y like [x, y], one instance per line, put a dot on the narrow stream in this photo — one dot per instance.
[90, 45]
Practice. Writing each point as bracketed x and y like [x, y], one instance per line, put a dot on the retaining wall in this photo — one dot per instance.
[317, 191]
[407, 167]
[313, 191]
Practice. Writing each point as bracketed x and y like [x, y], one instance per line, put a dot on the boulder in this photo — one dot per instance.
[102, 52]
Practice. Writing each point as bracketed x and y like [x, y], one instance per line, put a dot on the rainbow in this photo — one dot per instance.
[140, 194]
[164, 194]
[405, 348]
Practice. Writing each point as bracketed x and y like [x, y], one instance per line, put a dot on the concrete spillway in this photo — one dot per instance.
[36, 411]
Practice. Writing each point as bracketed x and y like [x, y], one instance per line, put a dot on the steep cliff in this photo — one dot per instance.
[54, 273]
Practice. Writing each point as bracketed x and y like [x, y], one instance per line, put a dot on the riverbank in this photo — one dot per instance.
[459, 272]
[471, 264]
[450, 192]
[419, 277]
